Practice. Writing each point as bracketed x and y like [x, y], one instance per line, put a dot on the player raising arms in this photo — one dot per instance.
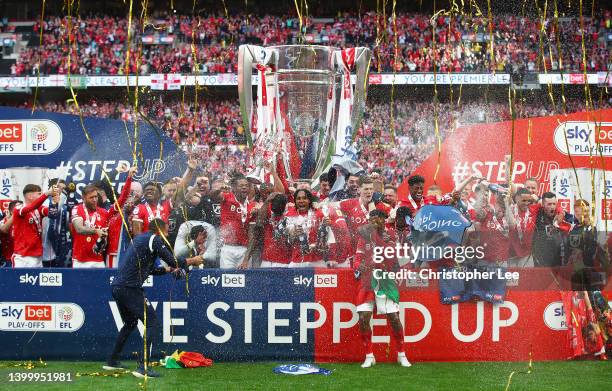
[375, 288]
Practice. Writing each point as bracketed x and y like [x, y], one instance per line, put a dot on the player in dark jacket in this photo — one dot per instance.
[138, 265]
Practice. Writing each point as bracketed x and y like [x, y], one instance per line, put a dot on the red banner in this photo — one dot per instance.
[529, 321]
[540, 144]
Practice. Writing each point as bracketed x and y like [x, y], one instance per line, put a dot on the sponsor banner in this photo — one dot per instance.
[229, 315]
[230, 79]
[527, 322]
[39, 146]
[42, 317]
[570, 185]
[539, 147]
[584, 138]
[273, 315]
[569, 78]
[604, 79]
[29, 137]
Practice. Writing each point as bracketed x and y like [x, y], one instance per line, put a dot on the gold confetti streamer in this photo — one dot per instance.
[529, 130]
[589, 107]
[560, 55]
[298, 10]
[490, 24]
[40, 49]
[69, 4]
[103, 374]
[529, 371]
[435, 98]
[395, 59]
[512, 104]
[29, 365]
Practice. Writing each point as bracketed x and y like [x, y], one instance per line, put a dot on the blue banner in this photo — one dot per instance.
[435, 228]
[81, 152]
[70, 314]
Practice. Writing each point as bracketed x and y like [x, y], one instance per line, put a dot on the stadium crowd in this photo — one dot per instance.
[216, 127]
[100, 43]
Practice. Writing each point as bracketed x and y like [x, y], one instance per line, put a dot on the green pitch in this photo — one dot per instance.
[585, 375]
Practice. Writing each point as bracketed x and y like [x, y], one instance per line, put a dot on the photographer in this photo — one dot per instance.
[55, 235]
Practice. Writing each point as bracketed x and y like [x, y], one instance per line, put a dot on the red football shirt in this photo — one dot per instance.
[274, 250]
[384, 207]
[355, 215]
[496, 244]
[412, 204]
[82, 245]
[342, 235]
[521, 235]
[235, 219]
[27, 226]
[145, 213]
[115, 219]
[310, 221]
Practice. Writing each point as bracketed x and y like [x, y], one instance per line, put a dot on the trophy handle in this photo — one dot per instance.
[362, 67]
[248, 58]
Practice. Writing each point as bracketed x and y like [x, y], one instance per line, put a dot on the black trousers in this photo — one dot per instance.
[131, 305]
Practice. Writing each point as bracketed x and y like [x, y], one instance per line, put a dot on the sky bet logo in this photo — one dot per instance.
[43, 279]
[554, 316]
[578, 133]
[11, 133]
[30, 312]
[319, 280]
[227, 280]
[583, 138]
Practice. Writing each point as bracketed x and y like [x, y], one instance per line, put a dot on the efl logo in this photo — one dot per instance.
[232, 280]
[325, 280]
[50, 279]
[11, 133]
[38, 312]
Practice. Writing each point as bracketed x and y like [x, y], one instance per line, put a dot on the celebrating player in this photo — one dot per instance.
[303, 222]
[356, 210]
[375, 288]
[90, 226]
[151, 209]
[27, 225]
[235, 219]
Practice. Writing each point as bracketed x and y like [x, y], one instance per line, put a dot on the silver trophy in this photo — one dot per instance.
[303, 114]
